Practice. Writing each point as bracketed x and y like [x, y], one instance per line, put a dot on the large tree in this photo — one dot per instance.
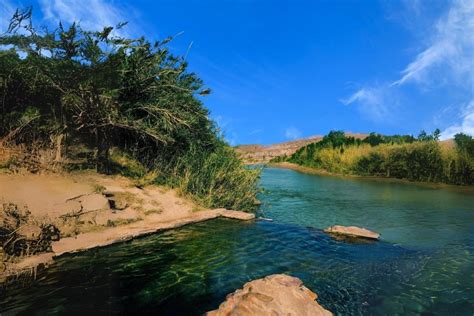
[96, 84]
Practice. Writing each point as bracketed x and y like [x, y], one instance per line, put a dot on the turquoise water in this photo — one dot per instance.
[423, 266]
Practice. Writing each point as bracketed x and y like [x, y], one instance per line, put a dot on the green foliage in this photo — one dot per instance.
[278, 159]
[105, 91]
[127, 166]
[375, 139]
[419, 161]
[372, 164]
[218, 179]
[398, 156]
[464, 143]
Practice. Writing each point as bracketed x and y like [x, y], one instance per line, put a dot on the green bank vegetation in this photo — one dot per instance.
[421, 158]
[100, 99]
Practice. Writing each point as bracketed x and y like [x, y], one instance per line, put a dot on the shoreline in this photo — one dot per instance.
[322, 172]
[111, 236]
[91, 210]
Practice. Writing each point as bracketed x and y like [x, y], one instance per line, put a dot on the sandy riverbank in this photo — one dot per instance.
[93, 210]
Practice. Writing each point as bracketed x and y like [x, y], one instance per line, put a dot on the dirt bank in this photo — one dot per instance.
[92, 210]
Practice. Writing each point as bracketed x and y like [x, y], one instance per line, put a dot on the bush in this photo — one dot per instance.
[373, 164]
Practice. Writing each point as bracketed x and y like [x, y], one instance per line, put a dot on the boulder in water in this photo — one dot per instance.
[352, 231]
[277, 294]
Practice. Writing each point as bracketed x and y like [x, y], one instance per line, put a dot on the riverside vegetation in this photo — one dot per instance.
[96, 99]
[74, 100]
[421, 158]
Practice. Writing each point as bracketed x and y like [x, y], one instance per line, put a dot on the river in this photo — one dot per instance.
[424, 263]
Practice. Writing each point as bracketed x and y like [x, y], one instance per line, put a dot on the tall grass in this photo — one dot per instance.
[218, 179]
[427, 161]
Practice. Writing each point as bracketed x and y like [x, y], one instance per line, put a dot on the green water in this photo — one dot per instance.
[423, 266]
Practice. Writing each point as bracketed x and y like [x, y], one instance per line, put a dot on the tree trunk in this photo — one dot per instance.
[59, 140]
[103, 148]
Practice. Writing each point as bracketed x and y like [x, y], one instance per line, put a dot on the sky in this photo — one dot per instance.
[282, 70]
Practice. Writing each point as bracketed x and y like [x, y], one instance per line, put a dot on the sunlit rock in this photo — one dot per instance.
[353, 231]
[276, 294]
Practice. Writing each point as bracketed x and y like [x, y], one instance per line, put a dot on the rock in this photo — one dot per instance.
[93, 202]
[352, 231]
[276, 294]
[244, 216]
[117, 203]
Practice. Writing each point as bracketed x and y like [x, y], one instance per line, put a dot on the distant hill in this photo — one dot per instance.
[255, 153]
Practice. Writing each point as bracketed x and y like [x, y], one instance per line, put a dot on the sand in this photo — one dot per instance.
[78, 204]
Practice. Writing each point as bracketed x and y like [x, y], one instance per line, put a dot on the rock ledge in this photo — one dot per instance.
[276, 294]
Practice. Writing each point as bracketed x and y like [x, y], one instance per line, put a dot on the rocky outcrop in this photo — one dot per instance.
[255, 153]
[352, 231]
[263, 154]
[276, 294]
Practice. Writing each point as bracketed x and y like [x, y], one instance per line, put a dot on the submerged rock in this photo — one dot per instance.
[353, 231]
[276, 294]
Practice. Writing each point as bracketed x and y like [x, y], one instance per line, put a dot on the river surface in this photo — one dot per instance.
[424, 264]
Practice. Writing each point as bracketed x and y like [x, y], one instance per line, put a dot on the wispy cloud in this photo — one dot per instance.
[93, 15]
[466, 125]
[373, 102]
[292, 133]
[446, 59]
[451, 46]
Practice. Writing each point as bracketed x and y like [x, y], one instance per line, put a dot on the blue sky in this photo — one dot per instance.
[281, 70]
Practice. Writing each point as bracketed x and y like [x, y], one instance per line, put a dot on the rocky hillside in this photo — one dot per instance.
[261, 154]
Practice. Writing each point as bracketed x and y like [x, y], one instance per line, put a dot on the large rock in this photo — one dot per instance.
[352, 231]
[276, 294]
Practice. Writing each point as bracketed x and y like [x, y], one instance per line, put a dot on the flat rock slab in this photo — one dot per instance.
[123, 233]
[353, 231]
[277, 294]
[243, 216]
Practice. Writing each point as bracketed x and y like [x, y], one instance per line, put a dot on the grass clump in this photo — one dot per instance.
[217, 179]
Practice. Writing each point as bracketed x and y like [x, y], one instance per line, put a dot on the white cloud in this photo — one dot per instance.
[451, 46]
[372, 101]
[447, 58]
[93, 15]
[467, 123]
[292, 133]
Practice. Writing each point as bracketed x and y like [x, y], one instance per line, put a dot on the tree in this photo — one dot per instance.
[436, 134]
[99, 90]
[102, 85]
